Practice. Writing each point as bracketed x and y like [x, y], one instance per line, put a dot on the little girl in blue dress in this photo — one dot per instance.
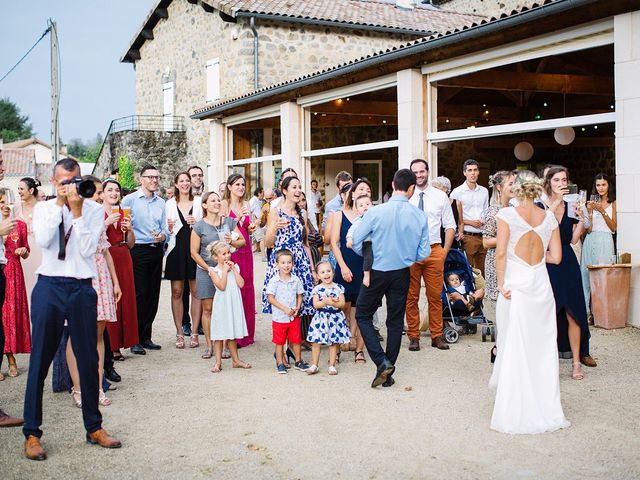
[329, 325]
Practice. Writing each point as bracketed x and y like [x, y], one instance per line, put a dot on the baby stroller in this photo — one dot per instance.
[455, 321]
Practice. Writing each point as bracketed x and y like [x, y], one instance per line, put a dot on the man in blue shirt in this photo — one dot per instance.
[399, 237]
[149, 220]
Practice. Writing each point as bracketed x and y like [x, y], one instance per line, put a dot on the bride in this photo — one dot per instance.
[526, 370]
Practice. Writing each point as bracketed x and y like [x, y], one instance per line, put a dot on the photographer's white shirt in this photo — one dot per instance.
[83, 240]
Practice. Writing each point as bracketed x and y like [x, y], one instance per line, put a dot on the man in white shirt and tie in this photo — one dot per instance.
[474, 199]
[435, 204]
[68, 229]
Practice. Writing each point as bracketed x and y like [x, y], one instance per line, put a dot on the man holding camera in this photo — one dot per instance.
[68, 229]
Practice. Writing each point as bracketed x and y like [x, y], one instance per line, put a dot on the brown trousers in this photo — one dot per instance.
[430, 269]
[475, 251]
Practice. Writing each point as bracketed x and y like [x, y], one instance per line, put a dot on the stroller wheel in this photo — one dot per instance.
[472, 329]
[450, 335]
[493, 333]
[485, 333]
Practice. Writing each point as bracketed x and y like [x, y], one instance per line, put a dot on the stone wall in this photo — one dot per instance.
[164, 150]
[190, 37]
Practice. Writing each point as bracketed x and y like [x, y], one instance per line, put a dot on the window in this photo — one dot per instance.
[167, 105]
[213, 80]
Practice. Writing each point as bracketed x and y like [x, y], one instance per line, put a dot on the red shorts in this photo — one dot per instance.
[287, 331]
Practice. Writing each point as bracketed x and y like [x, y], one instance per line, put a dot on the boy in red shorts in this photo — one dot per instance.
[284, 292]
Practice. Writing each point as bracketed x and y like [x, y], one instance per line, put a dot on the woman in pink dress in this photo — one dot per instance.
[236, 206]
[15, 311]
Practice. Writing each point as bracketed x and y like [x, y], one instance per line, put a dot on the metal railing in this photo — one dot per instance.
[155, 123]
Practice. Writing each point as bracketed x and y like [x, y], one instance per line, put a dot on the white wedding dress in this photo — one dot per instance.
[526, 370]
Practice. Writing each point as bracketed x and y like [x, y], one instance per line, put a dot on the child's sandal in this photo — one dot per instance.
[313, 369]
[332, 370]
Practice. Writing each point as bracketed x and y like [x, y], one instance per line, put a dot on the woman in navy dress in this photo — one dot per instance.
[349, 263]
[566, 280]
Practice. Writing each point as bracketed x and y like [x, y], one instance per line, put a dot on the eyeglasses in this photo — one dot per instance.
[152, 177]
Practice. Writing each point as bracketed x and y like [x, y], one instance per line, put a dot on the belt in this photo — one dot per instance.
[473, 234]
[152, 245]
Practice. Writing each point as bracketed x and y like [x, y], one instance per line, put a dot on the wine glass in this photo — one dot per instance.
[223, 231]
[595, 198]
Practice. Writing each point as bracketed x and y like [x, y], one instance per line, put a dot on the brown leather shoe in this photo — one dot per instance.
[102, 438]
[439, 343]
[33, 450]
[7, 421]
[414, 345]
[588, 361]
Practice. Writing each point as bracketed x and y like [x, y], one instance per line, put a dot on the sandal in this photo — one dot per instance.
[313, 369]
[103, 399]
[332, 370]
[1, 377]
[226, 353]
[76, 398]
[207, 354]
[359, 358]
[577, 374]
[179, 341]
[13, 370]
[217, 368]
[194, 341]
[242, 364]
[118, 357]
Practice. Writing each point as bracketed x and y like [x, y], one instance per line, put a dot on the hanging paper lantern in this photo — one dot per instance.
[564, 135]
[523, 151]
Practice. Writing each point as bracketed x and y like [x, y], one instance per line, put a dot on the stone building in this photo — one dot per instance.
[188, 53]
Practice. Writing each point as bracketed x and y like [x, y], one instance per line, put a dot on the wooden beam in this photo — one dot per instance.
[134, 54]
[533, 82]
[147, 33]
[162, 12]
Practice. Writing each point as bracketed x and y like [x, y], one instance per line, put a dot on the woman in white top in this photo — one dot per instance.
[526, 373]
[598, 244]
[183, 211]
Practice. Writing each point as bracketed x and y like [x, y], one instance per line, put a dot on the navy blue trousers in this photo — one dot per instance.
[393, 285]
[53, 300]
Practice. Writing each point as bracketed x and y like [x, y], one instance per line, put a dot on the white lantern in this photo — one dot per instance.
[564, 135]
[523, 151]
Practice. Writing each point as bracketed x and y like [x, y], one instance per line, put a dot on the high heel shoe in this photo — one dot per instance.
[290, 355]
[494, 350]
[76, 397]
[103, 399]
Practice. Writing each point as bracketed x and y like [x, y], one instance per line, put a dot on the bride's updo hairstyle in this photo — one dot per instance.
[527, 185]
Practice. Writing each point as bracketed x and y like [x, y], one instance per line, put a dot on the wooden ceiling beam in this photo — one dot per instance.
[533, 82]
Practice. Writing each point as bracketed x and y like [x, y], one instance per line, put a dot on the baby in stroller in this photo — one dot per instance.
[463, 299]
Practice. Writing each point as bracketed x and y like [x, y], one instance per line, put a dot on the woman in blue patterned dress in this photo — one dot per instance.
[285, 229]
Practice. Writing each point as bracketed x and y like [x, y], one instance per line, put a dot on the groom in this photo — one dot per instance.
[400, 238]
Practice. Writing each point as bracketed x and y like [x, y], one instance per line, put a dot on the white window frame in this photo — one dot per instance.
[212, 76]
[379, 164]
[168, 113]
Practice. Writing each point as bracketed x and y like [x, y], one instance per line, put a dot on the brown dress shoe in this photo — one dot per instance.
[102, 438]
[439, 343]
[414, 345]
[7, 421]
[588, 361]
[33, 450]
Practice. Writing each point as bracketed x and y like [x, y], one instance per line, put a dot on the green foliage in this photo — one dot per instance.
[126, 173]
[13, 126]
[85, 152]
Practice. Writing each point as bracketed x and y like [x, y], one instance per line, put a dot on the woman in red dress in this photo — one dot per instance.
[124, 332]
[235, 206]
[15, 311]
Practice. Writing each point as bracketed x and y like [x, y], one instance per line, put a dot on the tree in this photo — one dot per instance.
[13, 126]
[126, 173]
[85, 152]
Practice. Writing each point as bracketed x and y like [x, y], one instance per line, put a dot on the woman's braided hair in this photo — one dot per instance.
[527, 185]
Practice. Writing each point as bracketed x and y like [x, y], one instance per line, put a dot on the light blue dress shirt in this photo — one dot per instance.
[147, 215]
[399, 234]
[332, 205]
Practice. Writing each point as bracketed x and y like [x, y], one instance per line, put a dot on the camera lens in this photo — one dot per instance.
[86, 188]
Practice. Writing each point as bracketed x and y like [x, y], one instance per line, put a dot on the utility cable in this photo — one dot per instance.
[25, 55]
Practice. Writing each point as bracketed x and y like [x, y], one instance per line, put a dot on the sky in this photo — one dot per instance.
[93, 35]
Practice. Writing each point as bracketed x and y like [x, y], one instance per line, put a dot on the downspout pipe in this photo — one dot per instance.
[256, 72]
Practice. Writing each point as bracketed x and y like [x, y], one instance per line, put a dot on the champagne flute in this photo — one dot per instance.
[595, 198]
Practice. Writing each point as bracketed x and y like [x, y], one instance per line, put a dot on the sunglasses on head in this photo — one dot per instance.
[346, 188]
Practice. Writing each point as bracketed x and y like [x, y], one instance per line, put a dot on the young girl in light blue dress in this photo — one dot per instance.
[329, 325]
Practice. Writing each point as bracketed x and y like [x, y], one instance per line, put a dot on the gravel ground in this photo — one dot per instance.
[176, 419]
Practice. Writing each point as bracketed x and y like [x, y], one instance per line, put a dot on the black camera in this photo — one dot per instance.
[85, 188]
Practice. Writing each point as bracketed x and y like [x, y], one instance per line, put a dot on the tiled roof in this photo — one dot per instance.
[25, 143]
[373, 13]
[18, 161]
[366, 14]
[423, 40]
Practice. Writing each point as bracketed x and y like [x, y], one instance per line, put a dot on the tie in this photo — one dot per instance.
[421, 201]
